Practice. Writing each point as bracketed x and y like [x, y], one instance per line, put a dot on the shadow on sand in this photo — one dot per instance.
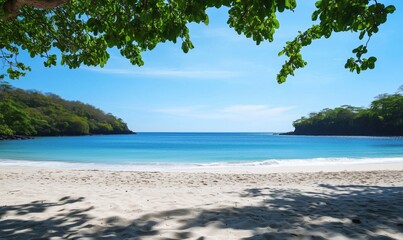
[352, 212]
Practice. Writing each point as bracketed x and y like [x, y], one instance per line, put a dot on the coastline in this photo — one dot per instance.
[336, 135]
[30, 137]
[315, 203]
[15, 137]
[260, 167]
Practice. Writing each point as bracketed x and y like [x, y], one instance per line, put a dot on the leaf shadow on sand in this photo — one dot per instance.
[349, 212]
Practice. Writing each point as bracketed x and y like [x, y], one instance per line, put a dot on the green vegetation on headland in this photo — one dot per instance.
[383, 118]
[30, 113]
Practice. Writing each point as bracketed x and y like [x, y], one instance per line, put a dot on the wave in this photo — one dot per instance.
[310, 162]
[158, 166]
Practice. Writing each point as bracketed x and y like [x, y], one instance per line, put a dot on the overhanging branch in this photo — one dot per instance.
[11, 7]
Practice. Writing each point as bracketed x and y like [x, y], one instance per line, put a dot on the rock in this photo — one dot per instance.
[14, 137]
[287, 133]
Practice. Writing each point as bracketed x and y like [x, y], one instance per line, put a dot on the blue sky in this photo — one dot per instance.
[227, 83]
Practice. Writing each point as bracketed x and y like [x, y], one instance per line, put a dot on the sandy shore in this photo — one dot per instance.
[40, 203]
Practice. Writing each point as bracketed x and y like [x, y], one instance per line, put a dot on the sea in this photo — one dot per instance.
[159, 151]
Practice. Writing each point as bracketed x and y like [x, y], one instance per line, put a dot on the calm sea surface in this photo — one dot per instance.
[168, 149]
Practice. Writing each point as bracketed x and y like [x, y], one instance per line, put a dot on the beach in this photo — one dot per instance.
[250, 203]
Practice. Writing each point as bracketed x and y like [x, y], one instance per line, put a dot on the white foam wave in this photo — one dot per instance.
[270, 163]
[310, 162]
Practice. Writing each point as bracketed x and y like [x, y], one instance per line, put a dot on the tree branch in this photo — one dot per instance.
[11, 7]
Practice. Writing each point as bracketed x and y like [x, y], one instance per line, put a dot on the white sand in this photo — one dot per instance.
[318, 203]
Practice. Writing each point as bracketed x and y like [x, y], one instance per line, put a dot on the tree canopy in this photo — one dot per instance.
[84, 30]
[383, 118]
[31, 113]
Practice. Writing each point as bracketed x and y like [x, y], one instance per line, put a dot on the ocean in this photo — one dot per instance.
[187, 150]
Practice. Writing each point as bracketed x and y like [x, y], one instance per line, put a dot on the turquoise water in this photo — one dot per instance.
[199, 148]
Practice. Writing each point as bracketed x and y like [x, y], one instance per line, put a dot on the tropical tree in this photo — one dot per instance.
[85, 30]
[383, 117]
[32, 113]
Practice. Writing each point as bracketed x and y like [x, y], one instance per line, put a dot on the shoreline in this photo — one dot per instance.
[336, 135]
[260, 167]
[31, 137]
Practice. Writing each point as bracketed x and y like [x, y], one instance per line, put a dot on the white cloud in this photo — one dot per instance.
[233, 113]
[169, 73]
[198, 112]
[255, 110]
[180, 111]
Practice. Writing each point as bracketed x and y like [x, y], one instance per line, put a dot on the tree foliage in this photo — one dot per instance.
[383, 118]
[84, 30]
[34, 114]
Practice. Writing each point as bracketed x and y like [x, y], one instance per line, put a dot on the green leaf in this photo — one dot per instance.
[390, 9]
[185, 47]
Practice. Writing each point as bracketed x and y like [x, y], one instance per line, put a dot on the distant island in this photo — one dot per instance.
[30, 113]
[384, 117]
